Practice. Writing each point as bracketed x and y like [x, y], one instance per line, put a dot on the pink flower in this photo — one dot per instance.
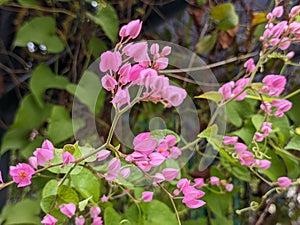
[49, 220]
[284, 182]
[97, 221]
[166, 51]
[154, 49]
[214, 180]
[274, 84]
[247, 158]
[157, 83]
[132, 29]
[259, 137]
[267, 107]
[79, 220]
[108, 82]
[227, 140]
[95, 211]
[199, 182]
[229, 187]
[240, 147]
[156, 159]
[67, 158]
[284, 43]
[266, 128]
[162, 148]
[249, 65]
[294, 11]
[68, 209]
[174, 95]
[277, 11]
[21, 174]
[175, 152]
[135, 72]
[170, 140]
[44, 154]
[124, 73]
[103, 154]
[191, 196]
[1, 180]
[161, 63]
[113, 169]
[104, 198]
[125, 172]
[290, 54]
[158, 178]
[47, 145]
[145, 147]
[281, 106]
[226, 90]
[183, 183]
[141, 137]
[138, 51]
[147, 196]
[33, 162]
[110, 61]
[263, 164]
[144, 165]
[122, 97]
[170, 173]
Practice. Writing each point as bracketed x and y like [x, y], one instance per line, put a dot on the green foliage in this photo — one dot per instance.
[60, 127]
[160, 134]
[111, 217]
[46, 35]
[205, 45]
[42, 79]
[211, 95]
[107, 19]
[23, 212]
[224, 16]
[87, 184]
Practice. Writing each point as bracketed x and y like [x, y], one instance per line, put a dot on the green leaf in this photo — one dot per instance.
[108, 20]
[28, 117]
[209, 132]
[111, 217]
[46, 35]
[237, 170]
[293, 113]
[67, 195]
[294, 143]
[87, 184]
[154, 215]
[211, 95]
[96, 46]
[246, 132]
[42, 79]
[207, 43]
[133, 215]
[202, 221]
[237, 111]
[225, 16]
[23, 212]
[277, 168]
[82, 204]
[28, 3]
[60, 125]
[280, 126]
[257, 121]
[89, 92]
[47, 203]
[50, 188]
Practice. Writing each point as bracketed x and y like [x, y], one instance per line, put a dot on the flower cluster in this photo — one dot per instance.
[69, 210]
[149, 151]
[246, 157]
[142, 72]
[282, 34]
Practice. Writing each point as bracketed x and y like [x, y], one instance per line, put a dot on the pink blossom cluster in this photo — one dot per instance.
[216, 181]
[119, 76]
[23, 172]
[246, 157]
[149, 151]
[233, 89]
[69, 210]
[191, 193]
[266, 129]
[283, 33]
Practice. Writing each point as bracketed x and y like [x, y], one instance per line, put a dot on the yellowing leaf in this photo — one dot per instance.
[258, 18]
[211, 95]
